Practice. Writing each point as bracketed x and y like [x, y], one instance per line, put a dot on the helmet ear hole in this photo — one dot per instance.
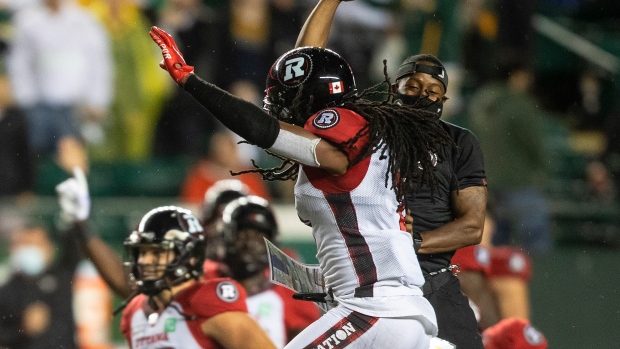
[305, 80]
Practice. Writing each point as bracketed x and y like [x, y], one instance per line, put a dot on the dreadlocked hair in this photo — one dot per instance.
[406, 136]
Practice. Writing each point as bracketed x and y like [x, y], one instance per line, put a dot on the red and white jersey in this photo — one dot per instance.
[277, 313]
[510, 261]
[472, 258]
[178, 325]
[358, 226]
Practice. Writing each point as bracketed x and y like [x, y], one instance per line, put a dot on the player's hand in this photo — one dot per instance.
[73, 197]
[173, 61]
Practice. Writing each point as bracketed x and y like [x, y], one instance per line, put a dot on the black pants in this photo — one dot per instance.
[455, 318]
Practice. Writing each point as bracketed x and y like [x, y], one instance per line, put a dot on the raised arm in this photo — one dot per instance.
[74, 201]
[248, 120]
[315, 31]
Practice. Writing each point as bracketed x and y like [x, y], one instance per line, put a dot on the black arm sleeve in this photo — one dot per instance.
[242, 117]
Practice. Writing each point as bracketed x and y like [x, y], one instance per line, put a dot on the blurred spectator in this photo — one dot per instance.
[479, 24]
[367, 24]
[511, 130]
[601, 189]
[581, 98]
[436, 28]
[258, 32]
[60, 69]
[611, 154]
[139, 86]
[36, 302]
[513, 333]
[221, 157]
[184, 124]
[515, 35]
[17, 170]
[601, 195]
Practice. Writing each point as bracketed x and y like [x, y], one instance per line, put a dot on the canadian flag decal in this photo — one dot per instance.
[335, 87]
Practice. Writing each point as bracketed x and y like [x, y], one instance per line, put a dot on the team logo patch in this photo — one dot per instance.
[295, 69]
[170, 325]
[482, 255]
[326, 119]
[532, 335]
[227, 291]
[516, 263]
[434, 160]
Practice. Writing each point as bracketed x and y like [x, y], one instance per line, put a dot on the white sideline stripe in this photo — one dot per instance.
[576, 43]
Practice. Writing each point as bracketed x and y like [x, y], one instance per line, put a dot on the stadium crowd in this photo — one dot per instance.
[82, 96]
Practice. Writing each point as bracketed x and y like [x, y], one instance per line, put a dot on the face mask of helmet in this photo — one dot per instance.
[304, 81]
[420, 102]
[244, 222]
[175, 232]
[247, 256]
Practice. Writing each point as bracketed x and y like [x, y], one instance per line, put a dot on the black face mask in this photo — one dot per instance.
[241, 270]
[420, 102]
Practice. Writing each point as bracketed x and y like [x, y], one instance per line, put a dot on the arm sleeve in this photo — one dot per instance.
[242, 117]
[339, 125]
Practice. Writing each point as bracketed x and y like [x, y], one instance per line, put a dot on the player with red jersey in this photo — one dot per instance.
[506, 269]
[354, 165]
[514, 333]
[172, 308]
[473, 267]
[168, 305]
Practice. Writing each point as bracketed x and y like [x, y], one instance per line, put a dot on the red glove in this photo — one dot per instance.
[173, 61]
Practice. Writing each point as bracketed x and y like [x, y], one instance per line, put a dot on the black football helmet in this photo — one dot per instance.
[219, 195]
[318, 77]
[166, 229]
[244, 223]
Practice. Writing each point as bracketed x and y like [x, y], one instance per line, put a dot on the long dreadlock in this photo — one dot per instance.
[404, 134]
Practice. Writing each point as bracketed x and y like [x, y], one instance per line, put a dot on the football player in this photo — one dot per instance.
[354, 161]
[167, 305]
[173, 308]
[449, 215]
[216, 198]
[245, 222]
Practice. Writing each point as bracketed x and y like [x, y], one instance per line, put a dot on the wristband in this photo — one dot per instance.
[296, 147]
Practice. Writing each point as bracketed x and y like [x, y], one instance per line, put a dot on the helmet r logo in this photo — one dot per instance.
[227, 291]
[294, 69]
[294, 66]
[194, 225]
[326, 119]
